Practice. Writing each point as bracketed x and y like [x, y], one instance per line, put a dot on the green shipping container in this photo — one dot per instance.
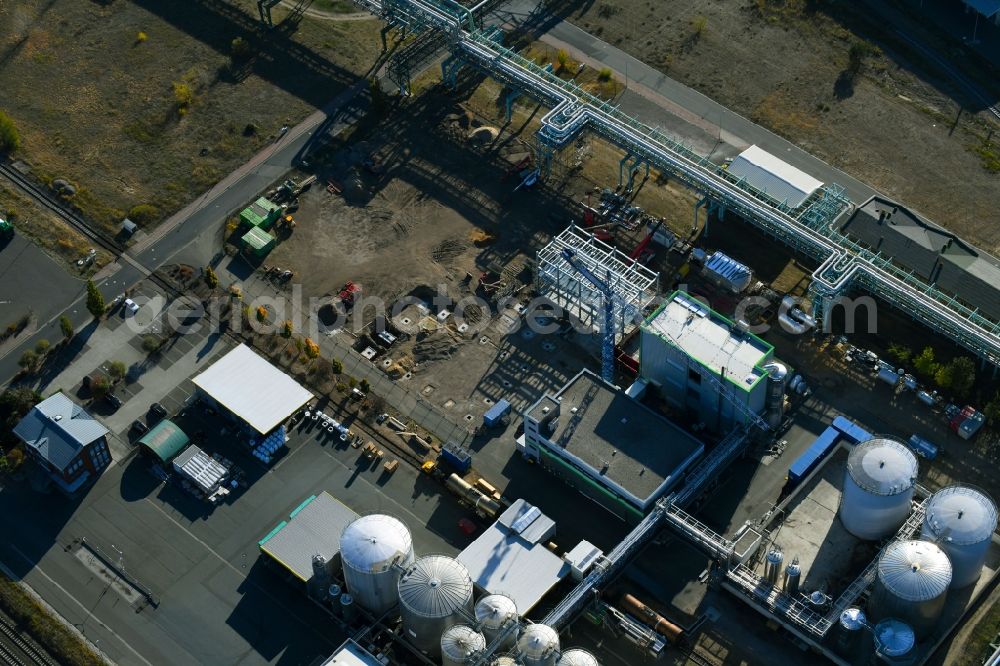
[258, 242]
[261, 213]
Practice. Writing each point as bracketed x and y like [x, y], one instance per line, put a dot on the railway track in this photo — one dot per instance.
[97, 236]
[16, 651]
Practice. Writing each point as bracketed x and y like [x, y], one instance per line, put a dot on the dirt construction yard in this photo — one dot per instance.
[896, 124]
[143, 105]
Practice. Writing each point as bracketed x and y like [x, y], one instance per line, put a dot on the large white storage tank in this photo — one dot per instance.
[538, 645]
[435, 594]
[460, 645]
[878, 488]
[911, 585]
[494, 612]
[961, 520]
[369, 547]
[577, 657]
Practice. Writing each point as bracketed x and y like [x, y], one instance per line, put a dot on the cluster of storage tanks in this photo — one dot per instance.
[913, 577]
[434, 594]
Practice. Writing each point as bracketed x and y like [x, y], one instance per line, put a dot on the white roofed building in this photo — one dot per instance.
[776, 178]
[253, 391]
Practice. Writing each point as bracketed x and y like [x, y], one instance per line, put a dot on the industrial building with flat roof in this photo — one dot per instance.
[253, 391]
[774, 177]
[510, 556]
[313, 528]
[692, 354]
[609, 446]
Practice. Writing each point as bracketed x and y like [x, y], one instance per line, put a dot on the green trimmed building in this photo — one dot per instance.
[261, 214]
[683, 341]
[165, 440]
[258, 242]
[608, 446]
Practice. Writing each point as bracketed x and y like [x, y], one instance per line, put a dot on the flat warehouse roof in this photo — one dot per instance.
[709, 338]
[251, 388]
[622, 440]
[777, 178]
[510, 556]
[314, 527]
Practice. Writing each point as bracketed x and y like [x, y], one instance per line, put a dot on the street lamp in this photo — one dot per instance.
[121, 557]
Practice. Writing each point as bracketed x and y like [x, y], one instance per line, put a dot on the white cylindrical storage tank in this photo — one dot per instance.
[577, 657]
[878, 488]
[772, 565]
[435, 594]
[911, 585]
[850, 631]
[894, 640]
[793, 577]
[538, 645]
[460, 645]
[774, 402]
[493, 613]
[961, 520]
[369, 547]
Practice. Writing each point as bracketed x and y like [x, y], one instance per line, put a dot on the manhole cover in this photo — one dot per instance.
[468, 417]
[488, 401]
[548, 346]
[386, 362]
[484, 340]
[506, 384]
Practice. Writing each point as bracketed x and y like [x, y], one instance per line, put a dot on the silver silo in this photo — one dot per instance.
[493, 613]
[772, 565]
[961, 520]
[348, 607]
[538, 645]
[577, 657]
[435, 594]
[894, 640]
[793, 577]
[911, 585]
[369, 547]
[460, 645]
[878, 488]
[851, 631]
[774, 401]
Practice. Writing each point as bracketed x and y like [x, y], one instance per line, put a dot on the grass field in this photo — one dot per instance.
[149, 103]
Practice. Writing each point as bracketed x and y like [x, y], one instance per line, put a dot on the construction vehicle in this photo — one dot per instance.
[642, 252]
[428, 467]
[349, 294]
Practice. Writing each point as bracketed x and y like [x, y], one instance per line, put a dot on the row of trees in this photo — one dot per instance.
[957, 376]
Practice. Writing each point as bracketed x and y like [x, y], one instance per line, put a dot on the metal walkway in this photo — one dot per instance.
[808, 229]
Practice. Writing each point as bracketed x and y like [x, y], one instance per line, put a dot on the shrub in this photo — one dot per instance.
[286, 328]
[28, 360]
[42, 346]
[100, 387]
[211, 279]
[151, 343]
[352, 382]
[311, 349]
[698, 25]
[562, 59]
[183, 97]
[365, 386]
[261, 314]
[141, 37]
[95, 300]
[14, 458]
[900, 352]
[116, 369]
[240, 49]
[144, 213]
[336, 366]
[10, 138]
[66, 326]
[604, 75]
[925, 363]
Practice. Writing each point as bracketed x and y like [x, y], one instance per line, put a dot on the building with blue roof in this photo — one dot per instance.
[65, 441]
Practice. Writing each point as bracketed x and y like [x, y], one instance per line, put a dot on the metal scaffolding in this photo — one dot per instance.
[555, 279]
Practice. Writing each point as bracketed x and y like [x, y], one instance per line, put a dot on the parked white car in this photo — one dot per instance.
[131, 307]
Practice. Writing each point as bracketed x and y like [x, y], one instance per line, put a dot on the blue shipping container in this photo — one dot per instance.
[851, 430]
[458, 457]
[922, 447]
[812, 456]
[496, 413]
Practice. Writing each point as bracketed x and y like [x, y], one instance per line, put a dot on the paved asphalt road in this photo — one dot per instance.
[29, 279]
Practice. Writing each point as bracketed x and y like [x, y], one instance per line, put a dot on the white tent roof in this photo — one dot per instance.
[769, 174]
[251, 388]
